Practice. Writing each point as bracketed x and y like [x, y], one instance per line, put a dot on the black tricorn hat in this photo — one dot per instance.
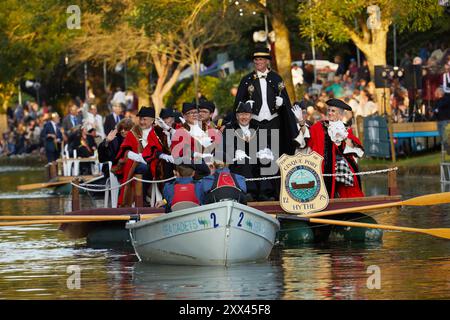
[146, 112]
[205, 104]
[244, 107]
[188, 106]
[338, 104]
[166, 113]
[262, 53]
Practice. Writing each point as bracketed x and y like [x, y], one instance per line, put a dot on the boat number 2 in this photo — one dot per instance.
[213, 217]
[241, 216]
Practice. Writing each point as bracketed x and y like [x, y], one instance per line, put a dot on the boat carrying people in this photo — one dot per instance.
[201, 212]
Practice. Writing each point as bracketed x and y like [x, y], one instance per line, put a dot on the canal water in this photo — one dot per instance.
[38, 262]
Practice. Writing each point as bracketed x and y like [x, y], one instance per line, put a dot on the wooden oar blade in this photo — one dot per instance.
[439, 232]
[33, 186]
[429, 199]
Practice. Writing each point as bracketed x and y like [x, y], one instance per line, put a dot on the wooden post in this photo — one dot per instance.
[139, 197]
[53, 170]
[76, 195]
[392, 183]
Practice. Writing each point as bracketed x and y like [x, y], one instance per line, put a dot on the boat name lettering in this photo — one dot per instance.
[180, 227]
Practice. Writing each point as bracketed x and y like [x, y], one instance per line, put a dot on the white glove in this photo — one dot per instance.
[297, 112]
[278, 101]
[337, 132]
[240, 155]
[265, 153]
[197, 133]
[202, 155]
[136, 157]
[182, 120]
[166, 157]
[162, 124]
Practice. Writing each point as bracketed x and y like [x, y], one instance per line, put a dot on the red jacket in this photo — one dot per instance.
[150, 153]
[317, 143]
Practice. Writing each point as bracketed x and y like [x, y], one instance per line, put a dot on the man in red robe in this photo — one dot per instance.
[194, 141]
[142, 151]
[339, 147]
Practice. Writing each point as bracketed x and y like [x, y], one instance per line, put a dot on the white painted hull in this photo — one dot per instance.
[222, 233]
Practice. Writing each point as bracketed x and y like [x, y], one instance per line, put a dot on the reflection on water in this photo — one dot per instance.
[34, 260]
[250, 281]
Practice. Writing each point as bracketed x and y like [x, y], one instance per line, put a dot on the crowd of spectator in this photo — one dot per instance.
[410, 100]
[30, 127]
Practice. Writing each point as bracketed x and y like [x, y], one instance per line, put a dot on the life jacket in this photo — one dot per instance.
[184, 192]
[225, 187]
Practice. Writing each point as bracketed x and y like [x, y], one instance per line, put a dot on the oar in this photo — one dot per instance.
[426, 200]
[32, 186]
[437, 232]
[70, 219]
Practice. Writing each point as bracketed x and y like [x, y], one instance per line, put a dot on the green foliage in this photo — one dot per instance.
[331, 20]
[214, 89]
[33, 33]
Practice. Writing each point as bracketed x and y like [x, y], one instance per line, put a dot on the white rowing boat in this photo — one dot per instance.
[222, 233]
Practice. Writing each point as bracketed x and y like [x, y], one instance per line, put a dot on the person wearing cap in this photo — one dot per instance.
[271, 108]
[237, 138]
[145, 152]
[338, 146]
[271, 112]
[182, 189]
[166, 121]
[205, 111]
[191, 142]
[52, 136]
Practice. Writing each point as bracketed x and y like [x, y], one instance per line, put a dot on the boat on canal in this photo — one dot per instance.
[222, 233]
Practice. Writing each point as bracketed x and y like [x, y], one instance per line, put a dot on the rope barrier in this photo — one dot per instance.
[82, 186]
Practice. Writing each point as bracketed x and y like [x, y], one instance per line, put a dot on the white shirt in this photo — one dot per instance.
[54, 125]
[245, 130]
[446, 82]
[145, 133]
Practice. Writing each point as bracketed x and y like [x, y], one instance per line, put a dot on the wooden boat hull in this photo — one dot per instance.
[296, 232]
[222, 233]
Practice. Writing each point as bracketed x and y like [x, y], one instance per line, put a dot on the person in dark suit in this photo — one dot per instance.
[114, 118]
[271, 111]
[240, 154]
[73, 119]
[52, 136]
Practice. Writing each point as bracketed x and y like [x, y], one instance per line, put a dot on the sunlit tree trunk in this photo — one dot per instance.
[282, 47]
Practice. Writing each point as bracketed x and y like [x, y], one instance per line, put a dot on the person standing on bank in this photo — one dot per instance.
[338, 147]
[271, 108]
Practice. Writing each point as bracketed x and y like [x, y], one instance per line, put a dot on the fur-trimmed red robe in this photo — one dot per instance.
[321, 143]
[150, 154]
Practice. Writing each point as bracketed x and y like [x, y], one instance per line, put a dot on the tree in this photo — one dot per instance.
[278, 12]
[169, 34]
[334, 21]
[33, 37]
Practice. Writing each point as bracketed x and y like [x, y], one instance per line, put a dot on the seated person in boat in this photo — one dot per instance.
[335, 142]
[222, 185]
[142, 149]
[110, 146]
[244, 132]
[192, 140]
[181, 192]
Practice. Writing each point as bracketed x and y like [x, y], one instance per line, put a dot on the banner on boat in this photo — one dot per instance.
[302, 189]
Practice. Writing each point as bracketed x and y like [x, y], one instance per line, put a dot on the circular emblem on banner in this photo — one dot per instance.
[302, 183]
